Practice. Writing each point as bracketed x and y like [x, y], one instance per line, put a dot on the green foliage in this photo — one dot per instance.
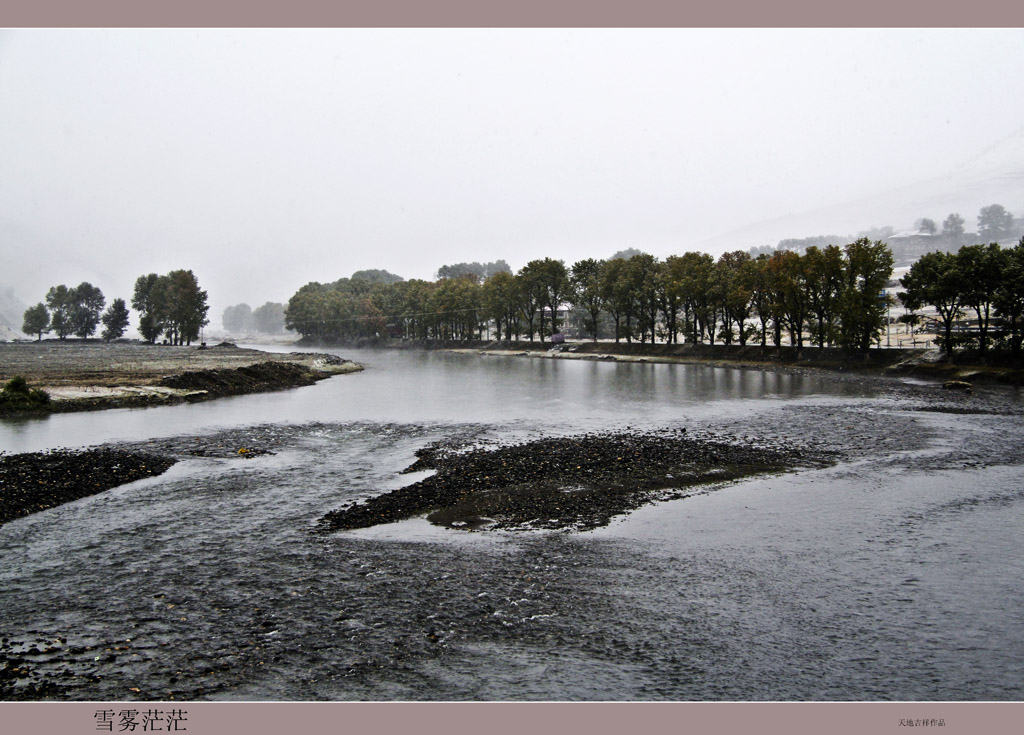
[548, 282]
[58, 298]
[827, 296]
[269, 318]
[87, 305]
[501, 299]
[625, 254]
[480, 271]
[734, 294]
[824, 274]
[803, 244]
[376, 277]
[146, 301]
[953, 227]
[935, 280]
[862, 305]
[37, 320]
[585, 291]
[1009, 297]
[75, 310]
[115, 320]
[17, 396]
[237, 319]
[980, 270]
[172, 305]
[994, 223]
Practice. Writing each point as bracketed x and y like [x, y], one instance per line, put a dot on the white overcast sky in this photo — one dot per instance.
[264, 159]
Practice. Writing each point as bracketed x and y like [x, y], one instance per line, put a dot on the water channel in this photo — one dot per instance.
[892, 574]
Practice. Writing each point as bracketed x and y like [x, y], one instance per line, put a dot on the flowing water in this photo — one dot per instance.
[894, 574]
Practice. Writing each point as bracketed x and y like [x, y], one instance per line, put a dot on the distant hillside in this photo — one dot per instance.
[993, 176]
[12, 312]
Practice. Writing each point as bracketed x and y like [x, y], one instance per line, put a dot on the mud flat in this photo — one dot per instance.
[83, 376]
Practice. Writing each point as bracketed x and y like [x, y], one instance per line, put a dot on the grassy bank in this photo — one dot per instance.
[83, 376]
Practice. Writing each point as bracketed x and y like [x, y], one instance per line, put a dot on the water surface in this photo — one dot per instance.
[892, 575]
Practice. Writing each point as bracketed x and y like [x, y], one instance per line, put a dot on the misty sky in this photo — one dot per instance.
[263, 160]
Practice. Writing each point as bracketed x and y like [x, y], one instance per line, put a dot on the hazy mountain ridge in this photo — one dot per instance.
[993, 176]
[35, 264]
[12, 311]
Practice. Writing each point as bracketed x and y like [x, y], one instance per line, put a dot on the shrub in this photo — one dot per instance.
[17, 396]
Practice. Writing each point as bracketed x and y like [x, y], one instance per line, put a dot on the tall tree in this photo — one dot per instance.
[696, 287]
[269, 318]
[551, 279]
[146, 300]
[994, 223]
[645, 283]
[935, 280]
[172, 304]
[237, 319]
[185, 306]
[614, 294]
[37, 321]
[585, 281]
[1009, 301]
[757, 278]
[735, 294]
[671, 302]
[953, 227]
[981, 273]
[791, 286]
[824, 270]
[864, 304]
[534, 293]
[61, 302]
[87, 305]
[115, 320]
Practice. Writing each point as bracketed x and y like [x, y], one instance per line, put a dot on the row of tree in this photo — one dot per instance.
[995, 222]
[243, 319]
[987, 280]
[76, 311]
[825, 296]
[172, 305]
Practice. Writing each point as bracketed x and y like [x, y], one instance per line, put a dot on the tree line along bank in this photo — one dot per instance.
[827, 296]
[172, 306]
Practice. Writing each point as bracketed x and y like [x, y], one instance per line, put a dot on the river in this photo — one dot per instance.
[892, 574]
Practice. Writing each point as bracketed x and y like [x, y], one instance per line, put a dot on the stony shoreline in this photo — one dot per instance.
[35, 481]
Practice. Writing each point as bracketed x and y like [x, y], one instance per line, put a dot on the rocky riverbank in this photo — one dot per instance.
[33, 482]
[85, 376]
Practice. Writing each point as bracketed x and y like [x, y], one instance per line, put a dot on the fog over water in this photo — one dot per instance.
[265, 159]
